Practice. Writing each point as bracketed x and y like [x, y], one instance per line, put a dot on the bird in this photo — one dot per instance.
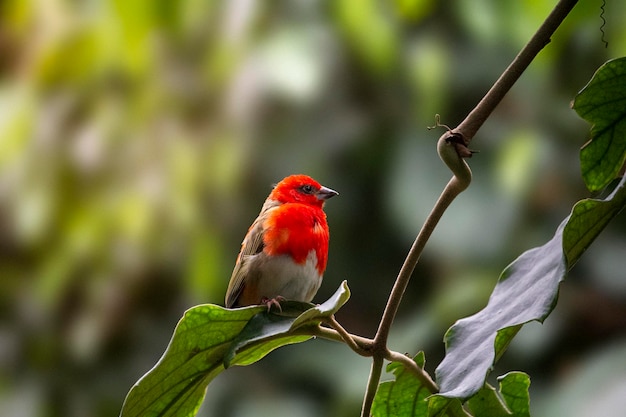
[284, 254]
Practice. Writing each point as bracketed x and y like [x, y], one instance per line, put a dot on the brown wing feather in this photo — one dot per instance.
[252, 244]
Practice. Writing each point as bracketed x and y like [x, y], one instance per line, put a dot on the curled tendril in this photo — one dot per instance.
[602, 10]
[438, 124]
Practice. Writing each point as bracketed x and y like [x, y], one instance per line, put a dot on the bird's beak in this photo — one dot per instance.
[325, 193]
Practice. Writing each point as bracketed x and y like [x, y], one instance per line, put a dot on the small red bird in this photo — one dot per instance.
[284, 253]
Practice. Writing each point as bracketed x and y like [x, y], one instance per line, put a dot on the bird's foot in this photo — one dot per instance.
[273, 302]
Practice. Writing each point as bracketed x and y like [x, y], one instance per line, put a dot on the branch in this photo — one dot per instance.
[540, 39]
[361, 345]
[364, 348]
[372, 385]
[462, 177]
[448, 151]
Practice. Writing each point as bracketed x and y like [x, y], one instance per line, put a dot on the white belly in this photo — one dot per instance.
[281, 276]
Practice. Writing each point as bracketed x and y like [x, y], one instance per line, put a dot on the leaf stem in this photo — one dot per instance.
[363, 349]
[361, 345]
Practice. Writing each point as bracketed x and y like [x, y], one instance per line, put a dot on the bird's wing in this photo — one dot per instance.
[252, 245]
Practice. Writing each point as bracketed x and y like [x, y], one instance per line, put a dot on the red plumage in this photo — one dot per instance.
[285, 251]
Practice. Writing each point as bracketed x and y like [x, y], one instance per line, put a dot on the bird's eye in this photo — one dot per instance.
[307, 189]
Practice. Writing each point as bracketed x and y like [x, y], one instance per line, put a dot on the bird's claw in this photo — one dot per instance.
[273, 302]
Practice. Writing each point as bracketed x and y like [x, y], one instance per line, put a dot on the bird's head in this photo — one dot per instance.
[301, 189]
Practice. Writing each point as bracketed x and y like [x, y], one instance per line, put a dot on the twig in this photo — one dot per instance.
[361, 345]
[364, 349]
[509, 77]
[372, 385]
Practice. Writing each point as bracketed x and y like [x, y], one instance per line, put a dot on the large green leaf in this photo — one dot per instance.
[603, 104]
[210, 338]
[293, 315]
[527, 290]
[486, 402]
[405, 396]
[589, 217]
[514, 390]
[440, 406]
[511, 400]
[176, 385]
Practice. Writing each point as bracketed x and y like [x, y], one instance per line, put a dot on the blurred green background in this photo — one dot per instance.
[138, 140]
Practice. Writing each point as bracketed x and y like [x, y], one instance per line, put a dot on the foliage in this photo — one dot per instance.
[527, 290]
[137, 140]
[209, 339]
[603, 104]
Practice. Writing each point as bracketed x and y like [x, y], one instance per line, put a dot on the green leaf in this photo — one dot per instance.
[487, 403]
[439, 406]
[589, 217]
[327, 309]
[176, 385]
[514, 390]
[512, 399]
[206, 340]
[503, 339]
[602, 102]
[262, 327]
[403, 397]
[294, 315]
[527, 290]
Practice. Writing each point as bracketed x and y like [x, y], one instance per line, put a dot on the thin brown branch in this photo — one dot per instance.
[364, 349]
[458, 183]
[361, 345]
[372, 385]
[509, 77]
